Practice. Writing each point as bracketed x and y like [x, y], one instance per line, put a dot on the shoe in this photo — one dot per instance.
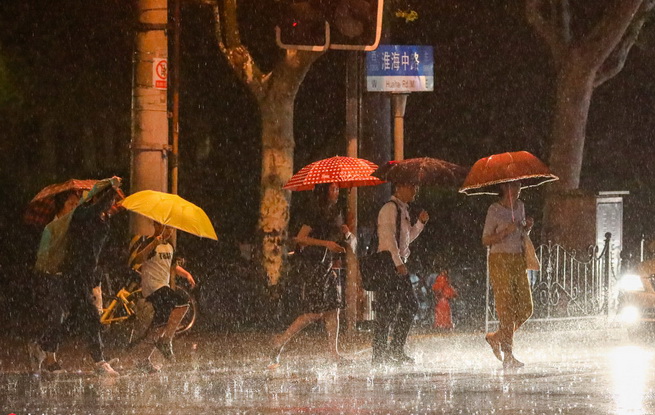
[495, 346]
[275, 357]
[54, 368]
[511, 362]
[37, 356]
[103, 368]
[402, 358]
[146, 366]
[166, 348]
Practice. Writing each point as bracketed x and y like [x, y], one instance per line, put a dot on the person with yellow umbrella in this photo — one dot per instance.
[153, 257]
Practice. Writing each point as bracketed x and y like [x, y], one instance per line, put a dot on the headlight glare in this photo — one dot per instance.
[629, 315]
[631, 282]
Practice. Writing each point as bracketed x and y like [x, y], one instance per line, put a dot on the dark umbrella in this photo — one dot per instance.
[42, 208]
[422, 171]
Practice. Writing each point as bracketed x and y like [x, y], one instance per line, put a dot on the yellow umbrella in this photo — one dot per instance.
[171, 210]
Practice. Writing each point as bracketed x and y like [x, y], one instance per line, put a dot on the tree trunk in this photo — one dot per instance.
[275, 92]
[277, 168]
[574, 90]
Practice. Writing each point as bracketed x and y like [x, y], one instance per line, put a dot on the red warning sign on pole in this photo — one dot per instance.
[159, 73]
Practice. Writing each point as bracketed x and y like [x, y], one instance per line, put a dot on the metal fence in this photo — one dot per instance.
[568, 285]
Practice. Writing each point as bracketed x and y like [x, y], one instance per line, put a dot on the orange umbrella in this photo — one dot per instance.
[490, 171]
[345, 171]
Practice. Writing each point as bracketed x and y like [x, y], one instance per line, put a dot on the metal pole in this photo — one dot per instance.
[606, 272]
[174, 77]
[399, 102]
[149, 147]
[486, 301]
[175, 94]
[353, 94]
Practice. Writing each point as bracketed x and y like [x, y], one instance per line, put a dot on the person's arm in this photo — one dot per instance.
[303, 238]
[528, 222]
[142, 250]
[387, 239]
[418, 227]
[348, 236]
[105, 200]
[186, 275]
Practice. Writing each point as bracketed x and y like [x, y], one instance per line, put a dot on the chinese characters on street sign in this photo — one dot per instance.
[400, 68]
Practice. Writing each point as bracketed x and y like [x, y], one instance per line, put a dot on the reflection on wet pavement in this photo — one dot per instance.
[566, 372]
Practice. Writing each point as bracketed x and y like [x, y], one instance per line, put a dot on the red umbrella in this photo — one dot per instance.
[490, 171]
[345, 171]
[41, 209]
[422, 171]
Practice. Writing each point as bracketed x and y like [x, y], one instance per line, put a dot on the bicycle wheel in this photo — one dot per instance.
[192, 314]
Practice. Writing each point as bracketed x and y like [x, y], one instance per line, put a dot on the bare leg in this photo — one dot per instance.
[278, 342]
[174, 320]
[331, 319]
[298, 324]
[165, 342]
[145, 349]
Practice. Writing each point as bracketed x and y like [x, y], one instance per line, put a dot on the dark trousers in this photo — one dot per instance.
[71, 308]
[164, 300]
[394, 312]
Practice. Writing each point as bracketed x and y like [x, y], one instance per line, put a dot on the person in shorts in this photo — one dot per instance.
[152, 256]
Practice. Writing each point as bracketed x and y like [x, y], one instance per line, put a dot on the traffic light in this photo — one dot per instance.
[335, 24]
[356, 24]
[303, 25]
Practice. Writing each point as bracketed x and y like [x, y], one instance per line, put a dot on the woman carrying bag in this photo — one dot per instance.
[504, 229]
[322, 242]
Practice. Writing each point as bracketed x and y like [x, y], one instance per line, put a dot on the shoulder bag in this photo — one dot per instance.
[377, 269]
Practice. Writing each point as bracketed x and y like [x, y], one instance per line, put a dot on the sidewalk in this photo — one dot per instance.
[228, 348]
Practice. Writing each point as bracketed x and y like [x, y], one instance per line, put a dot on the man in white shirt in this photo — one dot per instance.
[397, 304]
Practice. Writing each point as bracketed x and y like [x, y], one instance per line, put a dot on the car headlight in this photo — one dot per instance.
[631, 282]
[629, 315]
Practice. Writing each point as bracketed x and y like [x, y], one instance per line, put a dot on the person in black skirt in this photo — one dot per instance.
[322, 242]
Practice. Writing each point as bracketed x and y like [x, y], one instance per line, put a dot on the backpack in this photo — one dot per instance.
[378, 269]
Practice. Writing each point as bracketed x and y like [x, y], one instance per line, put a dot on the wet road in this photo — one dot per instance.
[567, 372]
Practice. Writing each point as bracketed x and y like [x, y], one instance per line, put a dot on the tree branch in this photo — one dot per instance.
[237, 55]
[616, 60]
[292, 68]
[606, 35]
[554, 31]
[565, 21]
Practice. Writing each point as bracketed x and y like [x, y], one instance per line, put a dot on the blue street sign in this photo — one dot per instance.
[400, 68]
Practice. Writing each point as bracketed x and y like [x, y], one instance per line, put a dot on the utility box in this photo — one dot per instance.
[609, 218]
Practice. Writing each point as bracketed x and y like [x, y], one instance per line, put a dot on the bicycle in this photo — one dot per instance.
[129, 308]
